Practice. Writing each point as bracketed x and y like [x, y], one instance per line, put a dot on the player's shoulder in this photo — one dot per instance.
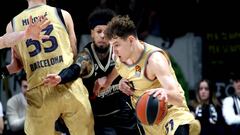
[156, 56]
[65, 13]
[9, 27]
[67, 17]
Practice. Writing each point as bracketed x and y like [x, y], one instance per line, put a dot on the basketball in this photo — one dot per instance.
[150, 110]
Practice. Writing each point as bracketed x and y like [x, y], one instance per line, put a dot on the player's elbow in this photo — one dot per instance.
[179, 100]
[176, 99]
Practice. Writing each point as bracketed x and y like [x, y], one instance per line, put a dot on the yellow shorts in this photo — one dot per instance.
[195, 127]
[46, 104]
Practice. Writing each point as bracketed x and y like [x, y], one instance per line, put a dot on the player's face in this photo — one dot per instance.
[204, 91]
[97, 34]
[24, 86]
[122, 48]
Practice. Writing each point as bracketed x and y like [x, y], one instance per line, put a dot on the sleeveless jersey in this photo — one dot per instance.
[111, 100]
[135, 73]
[41, 57]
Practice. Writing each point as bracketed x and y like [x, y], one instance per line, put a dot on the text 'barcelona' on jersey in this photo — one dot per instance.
[41, 57]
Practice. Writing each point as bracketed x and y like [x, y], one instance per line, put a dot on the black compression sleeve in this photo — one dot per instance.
[4, 72]
[69, 74]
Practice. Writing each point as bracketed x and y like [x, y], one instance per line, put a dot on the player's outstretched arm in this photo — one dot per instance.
[66, 75]
[82, 67]
[33, 31]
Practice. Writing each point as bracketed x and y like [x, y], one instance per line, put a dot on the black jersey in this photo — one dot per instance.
[111, 100]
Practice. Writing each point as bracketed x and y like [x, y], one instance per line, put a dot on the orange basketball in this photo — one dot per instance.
[150, 110]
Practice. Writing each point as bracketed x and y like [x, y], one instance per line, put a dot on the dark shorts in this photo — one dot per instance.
[123, 122]
[182, 130]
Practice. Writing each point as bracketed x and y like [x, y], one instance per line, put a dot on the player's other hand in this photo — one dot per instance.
[100, 84]
[52, 80]
[126, 87]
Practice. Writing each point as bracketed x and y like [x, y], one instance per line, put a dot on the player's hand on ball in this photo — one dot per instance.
[149, 109]
[160, 93]
[52, 80]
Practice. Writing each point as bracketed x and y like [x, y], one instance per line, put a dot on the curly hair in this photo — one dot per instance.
[100, 16]
[120, 26]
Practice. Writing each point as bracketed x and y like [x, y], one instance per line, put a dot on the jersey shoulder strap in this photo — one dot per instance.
[59, 12]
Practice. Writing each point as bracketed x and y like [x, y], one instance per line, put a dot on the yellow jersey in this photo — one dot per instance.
[41, 57]
[135, 73]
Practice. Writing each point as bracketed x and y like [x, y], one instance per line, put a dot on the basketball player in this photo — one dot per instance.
[32, 31]
[112, 111]
[148, 68]
[40, 57]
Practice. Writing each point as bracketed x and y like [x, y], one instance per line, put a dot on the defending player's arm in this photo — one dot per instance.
[32, 31]
[105, 82]
[82, 67]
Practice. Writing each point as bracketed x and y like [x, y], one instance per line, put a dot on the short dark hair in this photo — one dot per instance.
[22, 77]
[100, 16]
[120, 26]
